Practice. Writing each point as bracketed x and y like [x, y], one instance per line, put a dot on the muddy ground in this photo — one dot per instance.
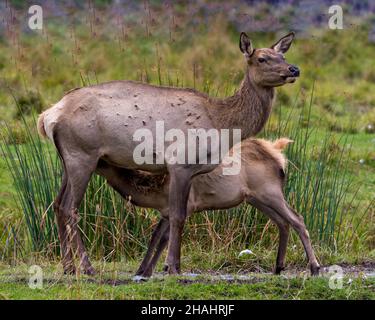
[364, 270]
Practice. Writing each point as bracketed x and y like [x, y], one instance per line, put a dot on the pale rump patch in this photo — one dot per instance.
[51, 117]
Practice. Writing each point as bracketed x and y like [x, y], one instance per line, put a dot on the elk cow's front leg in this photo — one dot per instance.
[179, 188]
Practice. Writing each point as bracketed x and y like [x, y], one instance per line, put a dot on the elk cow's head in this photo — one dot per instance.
[267, 66]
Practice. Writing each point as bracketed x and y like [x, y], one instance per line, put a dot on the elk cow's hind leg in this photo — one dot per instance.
[66, 253]
[79, 170]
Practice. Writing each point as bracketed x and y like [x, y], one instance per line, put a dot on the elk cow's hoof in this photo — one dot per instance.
[147, 273]
[139, 272]
[143, 273]
[171, 269]
[315, 270]
[279, 269]
[174, 269]
[90, 271]
[71, 270]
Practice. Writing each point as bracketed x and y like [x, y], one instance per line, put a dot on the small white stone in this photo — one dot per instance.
[246, 251]
[226, 277]
[139, 278]
[190, 274]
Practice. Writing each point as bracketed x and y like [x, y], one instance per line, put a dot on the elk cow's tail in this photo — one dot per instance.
[41, 129]
[281, 143]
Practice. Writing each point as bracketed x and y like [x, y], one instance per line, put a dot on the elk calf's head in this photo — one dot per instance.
[267, 66]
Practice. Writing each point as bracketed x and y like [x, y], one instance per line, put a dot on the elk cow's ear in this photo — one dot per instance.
[245, 45]
[284, 43]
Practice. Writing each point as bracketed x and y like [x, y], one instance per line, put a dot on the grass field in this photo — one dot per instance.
[115, 282]
[329, 112]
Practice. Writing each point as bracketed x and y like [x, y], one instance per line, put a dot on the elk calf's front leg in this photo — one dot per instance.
[155, 239]
[159, 250]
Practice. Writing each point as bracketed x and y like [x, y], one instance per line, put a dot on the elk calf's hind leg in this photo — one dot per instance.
[283, 244]
[297, 223]
[283, 227]
[299, 226]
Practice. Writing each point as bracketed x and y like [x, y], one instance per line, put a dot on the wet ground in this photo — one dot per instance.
[349, 271]
[364, 270]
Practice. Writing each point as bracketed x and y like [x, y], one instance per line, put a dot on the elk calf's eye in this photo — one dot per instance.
[261, 60]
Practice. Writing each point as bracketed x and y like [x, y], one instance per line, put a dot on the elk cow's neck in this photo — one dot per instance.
[248, 109]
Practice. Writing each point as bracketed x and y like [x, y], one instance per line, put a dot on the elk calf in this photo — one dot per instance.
[259, 183]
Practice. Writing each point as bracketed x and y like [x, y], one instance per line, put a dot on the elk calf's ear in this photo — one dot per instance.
[284, 43]
[245, 45]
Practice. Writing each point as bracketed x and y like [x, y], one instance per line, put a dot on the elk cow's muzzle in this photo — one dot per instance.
[294, 70]
[291, 74]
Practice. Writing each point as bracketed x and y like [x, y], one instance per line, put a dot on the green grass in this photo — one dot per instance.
[113, 284]
[7, 192]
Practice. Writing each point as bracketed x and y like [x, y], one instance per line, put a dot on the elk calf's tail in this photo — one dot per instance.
[281, 143]
[278, 146]
[40, 126]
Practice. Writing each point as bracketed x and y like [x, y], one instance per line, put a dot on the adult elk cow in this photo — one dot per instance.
[97, 123]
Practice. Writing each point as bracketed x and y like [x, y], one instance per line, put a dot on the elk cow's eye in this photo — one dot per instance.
[261, 60]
